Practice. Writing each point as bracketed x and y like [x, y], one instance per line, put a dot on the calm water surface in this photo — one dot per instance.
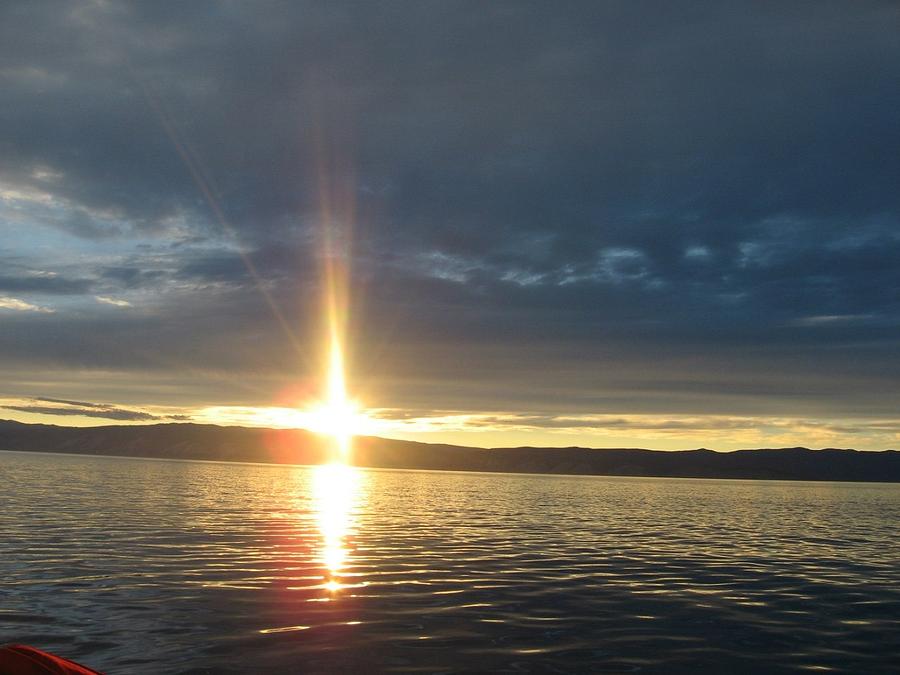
[141, 566]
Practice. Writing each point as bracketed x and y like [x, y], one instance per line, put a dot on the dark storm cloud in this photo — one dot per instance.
[613, 204]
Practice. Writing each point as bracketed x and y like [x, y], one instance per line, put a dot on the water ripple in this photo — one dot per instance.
[138, 566]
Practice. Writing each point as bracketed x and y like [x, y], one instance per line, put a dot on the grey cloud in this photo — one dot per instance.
[109, 413]
[523, 177]
[55, 285]
[134, 276]
[80, 404]
[87, 409]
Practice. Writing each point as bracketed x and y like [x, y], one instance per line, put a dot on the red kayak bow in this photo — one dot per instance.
[25, 660]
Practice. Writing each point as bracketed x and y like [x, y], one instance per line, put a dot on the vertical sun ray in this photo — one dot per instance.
[337, 415]
[338, 403]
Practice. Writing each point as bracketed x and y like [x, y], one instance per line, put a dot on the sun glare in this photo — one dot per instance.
[335, 414]
[336, 492]
[338, 417]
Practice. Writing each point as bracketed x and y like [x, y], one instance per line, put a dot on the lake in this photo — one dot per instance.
[145, 566]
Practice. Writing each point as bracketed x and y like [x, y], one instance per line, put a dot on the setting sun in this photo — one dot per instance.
[337, 416]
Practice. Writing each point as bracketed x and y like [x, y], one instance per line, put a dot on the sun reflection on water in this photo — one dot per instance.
[336, 492]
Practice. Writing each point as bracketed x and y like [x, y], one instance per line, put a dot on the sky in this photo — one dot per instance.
[608, 224]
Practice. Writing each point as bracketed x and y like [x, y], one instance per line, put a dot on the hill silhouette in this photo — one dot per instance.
[297, 446]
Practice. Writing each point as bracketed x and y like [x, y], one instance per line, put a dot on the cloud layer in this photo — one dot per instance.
[601, 208]
[103, 411]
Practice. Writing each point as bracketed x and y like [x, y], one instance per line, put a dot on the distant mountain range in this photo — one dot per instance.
[297, 446]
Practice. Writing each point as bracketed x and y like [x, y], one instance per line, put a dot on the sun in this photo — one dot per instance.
[338, 416]
[335, 418]
[341, 420]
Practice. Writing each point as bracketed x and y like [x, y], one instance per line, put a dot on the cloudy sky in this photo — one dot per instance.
[600, 223]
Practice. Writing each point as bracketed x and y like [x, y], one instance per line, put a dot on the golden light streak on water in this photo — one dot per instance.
[335, 488]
